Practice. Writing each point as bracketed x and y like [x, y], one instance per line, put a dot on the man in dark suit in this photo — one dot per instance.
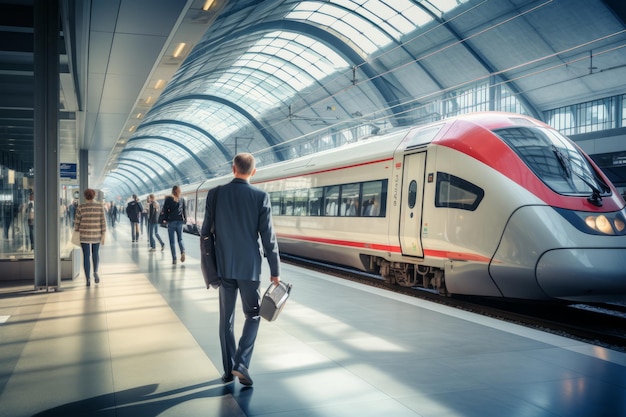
[242, 213]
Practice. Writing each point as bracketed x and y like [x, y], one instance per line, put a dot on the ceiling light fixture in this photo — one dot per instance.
[207, 5]
[159, 84]
[179, 49]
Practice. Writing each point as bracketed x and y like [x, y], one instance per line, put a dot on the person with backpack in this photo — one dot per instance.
[133, 211]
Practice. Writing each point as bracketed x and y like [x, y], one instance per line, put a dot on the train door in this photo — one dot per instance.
[411, 204]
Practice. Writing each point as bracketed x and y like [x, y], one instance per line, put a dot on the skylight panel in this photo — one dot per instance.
[300, 15]
[447, 5]
[127, 167]
[172, 153]
[370, 24]
[416, 16]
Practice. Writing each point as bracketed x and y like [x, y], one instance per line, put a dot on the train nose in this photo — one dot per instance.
[589, 274]
[541, 255]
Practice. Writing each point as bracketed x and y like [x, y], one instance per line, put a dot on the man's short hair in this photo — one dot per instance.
[244, 162]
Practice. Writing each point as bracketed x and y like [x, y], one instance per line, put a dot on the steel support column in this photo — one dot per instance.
[83, 173]
[46, 152]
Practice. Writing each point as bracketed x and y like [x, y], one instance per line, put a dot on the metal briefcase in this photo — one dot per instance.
[274, 300]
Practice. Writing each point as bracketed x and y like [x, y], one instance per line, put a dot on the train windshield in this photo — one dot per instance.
[555, 160]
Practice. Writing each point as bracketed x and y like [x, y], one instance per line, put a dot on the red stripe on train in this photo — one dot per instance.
[323, 171]
[387, 248]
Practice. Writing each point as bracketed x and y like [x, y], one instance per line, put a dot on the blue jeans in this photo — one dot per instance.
[153, 230]
[90, 250]
[176, 227]
[134, 231]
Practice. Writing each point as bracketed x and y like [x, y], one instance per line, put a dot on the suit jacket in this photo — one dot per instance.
[243, 216]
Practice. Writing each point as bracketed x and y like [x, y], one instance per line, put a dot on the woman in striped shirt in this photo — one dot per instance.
[91, 224]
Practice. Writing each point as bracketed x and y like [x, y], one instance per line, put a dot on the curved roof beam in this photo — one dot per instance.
[484, 62]
[137, 161]
[125, 181]
[122, 166]
[391, 100]
[181, 175]
[202, 165]
[212, 138]
[271, 140]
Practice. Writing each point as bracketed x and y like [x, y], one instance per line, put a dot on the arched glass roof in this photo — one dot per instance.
[270, 71]
[226, 96]
[371, 25]
[288, 77]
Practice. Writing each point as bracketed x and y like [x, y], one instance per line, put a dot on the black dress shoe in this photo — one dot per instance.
[241, 372]
[226, 378]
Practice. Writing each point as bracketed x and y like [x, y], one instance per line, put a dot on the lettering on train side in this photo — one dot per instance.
[396, 184]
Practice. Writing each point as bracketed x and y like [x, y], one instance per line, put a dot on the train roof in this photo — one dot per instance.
[373, 148]
[384, 146]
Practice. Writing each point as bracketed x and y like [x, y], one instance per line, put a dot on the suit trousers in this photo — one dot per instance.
[233, 355]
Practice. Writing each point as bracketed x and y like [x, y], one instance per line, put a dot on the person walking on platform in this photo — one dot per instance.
[242, 214]
[30, 216]
[90, 222]
[113, 214]
[144, 220]
[133, 211]
[153, 223]
[175, 215]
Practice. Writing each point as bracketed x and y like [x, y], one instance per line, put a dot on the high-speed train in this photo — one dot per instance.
[487, 204]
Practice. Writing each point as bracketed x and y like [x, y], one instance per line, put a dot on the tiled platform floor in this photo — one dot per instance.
[144, 342]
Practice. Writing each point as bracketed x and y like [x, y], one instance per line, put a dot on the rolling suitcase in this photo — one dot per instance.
[274, 300]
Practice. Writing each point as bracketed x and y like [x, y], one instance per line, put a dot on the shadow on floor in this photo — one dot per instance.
[143, 402]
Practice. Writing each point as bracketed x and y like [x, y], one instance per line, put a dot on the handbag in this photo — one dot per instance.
[274, 300]
[76, 238]
[162, 217]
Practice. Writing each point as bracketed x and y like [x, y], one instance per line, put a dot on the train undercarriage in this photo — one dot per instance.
[409, 275]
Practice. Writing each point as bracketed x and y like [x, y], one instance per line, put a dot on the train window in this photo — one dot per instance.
[350, 200]
[554, 159]
[331, 200]
[201, 205]
[412, 194]
[374, 198]
[300, 203]
[288, 202]
[275, 202]
[315, 201]
[191, 205]
[455, 192]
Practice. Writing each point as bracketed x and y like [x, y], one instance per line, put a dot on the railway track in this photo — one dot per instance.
[598, 324]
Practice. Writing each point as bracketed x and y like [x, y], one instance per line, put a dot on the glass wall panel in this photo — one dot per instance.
[17, 202]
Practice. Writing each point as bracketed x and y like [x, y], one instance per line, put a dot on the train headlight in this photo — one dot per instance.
[603, 225]
[597, 224]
